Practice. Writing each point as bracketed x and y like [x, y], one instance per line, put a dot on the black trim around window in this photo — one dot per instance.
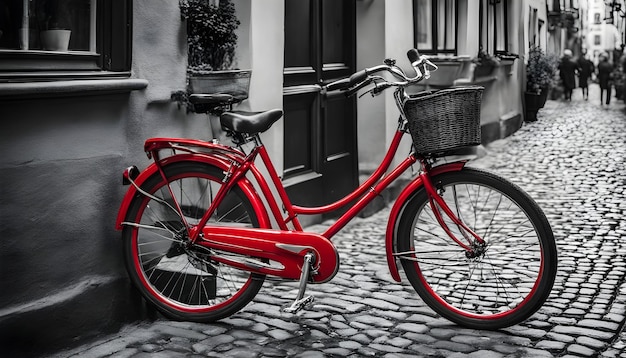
[112, 58]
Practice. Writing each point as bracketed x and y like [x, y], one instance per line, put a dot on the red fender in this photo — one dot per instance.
[245, 185]
[398, 206]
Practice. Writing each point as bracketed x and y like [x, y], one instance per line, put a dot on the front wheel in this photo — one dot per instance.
[179, 278]
[502, 281]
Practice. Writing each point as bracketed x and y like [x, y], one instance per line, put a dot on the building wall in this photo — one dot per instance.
[61, 160]
[398, 40]
[267, 57]
[371, 120]
[385, 30]
[534, 11]
[602, 37]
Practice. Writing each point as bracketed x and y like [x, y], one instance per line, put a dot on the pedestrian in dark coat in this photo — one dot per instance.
[605, 68]
[567, 72]
[585, 69]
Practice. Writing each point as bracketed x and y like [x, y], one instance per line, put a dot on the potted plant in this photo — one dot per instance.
[56, 24]
[211, 41]
[484, 63]
[541, 71]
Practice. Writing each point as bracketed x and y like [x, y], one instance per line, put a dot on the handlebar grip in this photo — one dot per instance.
[338, 85]
[358, 77]
[413, 56]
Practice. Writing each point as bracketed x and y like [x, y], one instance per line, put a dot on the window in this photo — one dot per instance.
[435, 25]
[540, 42]
[596, 18]
[494, 26]
[597, 40]
[533, 30]
[48, 39]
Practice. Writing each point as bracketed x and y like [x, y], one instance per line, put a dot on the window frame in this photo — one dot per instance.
[488, 28]
[435, 27]
[112, 58]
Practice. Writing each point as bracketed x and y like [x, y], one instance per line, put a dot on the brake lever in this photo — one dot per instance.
[424, 62]
[377, 89]
[427, 62]
[354, 90]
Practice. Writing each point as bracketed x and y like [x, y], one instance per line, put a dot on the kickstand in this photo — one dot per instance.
[300, 300]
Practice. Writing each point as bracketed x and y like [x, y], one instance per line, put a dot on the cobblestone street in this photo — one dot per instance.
[572, 161]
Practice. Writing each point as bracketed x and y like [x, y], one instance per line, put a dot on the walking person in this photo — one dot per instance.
[605, 68]
[567, 72]
[585, 69]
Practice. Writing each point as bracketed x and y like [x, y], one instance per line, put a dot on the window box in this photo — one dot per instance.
[477, 75]
[450, 69]
[235, 82]
[484, 70]
[507, 60]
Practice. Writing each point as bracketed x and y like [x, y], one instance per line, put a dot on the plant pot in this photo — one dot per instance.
[235, 83]
[533, 104]
[55, 40]
[483, 71]
[543, 96]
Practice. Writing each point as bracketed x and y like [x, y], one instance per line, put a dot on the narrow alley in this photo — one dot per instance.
[572, 161]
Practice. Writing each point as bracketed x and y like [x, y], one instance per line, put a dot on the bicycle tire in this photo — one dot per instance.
[503, 286]
[180, 280]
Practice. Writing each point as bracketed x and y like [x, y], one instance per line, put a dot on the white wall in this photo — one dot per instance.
[398, 40]
[371, 121]
[267, 58]
[384, 30]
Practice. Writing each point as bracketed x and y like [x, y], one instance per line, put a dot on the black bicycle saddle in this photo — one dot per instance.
[250, 122]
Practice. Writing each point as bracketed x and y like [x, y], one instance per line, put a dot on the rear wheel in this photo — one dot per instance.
[180, 279]
[497, 284]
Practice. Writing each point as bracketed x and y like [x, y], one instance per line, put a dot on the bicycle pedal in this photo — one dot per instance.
[297, 305]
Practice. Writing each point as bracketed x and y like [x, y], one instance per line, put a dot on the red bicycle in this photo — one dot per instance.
[202, 228]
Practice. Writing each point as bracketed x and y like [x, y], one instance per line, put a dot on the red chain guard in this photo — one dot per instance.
[284, 247]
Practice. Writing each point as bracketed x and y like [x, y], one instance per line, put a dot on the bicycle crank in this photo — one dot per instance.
[300, 300]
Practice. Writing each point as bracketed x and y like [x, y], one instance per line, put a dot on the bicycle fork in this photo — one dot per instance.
[475, 243]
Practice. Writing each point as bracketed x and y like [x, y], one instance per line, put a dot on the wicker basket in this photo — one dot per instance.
[444, 120]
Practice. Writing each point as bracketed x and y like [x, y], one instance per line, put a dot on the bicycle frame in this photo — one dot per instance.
[290, 246]
[203, 264]
[279, 244]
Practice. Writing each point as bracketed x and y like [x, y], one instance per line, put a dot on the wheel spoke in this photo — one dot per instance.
[500, 275]
[176, 276]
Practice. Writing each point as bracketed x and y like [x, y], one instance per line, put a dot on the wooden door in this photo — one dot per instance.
[320, 148]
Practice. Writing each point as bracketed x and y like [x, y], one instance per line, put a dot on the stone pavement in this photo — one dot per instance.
[572, 160]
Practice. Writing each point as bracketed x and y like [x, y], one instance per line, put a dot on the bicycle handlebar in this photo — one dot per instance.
[362, 78]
